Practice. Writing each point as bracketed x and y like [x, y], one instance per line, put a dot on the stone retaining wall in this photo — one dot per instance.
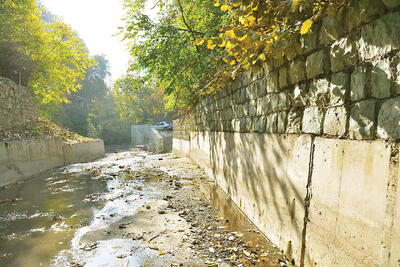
[22, 159]
[18, 107]
[308, 147]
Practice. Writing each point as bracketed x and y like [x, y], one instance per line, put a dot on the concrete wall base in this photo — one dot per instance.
[22, 159]
[325, 202]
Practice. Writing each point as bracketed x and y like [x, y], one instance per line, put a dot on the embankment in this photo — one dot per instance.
[22, 159]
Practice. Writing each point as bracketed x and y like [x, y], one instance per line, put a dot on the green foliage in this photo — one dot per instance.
[164, 47]
[59, 56]
[138, 99]
[93, 131]
[261, 30]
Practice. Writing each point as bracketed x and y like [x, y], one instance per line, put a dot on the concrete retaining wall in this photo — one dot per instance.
[22, 159]
[346, 190]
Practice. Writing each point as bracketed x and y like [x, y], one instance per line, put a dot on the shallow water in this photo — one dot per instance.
[43, 219]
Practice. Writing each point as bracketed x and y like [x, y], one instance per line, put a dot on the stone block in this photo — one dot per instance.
[331, 29]
[271, 124]
[283, 77]
[309, 42]
[272, 82]
[315, 64]
[297, 71]
[362, 120]
[312, 120]
[335, 121]
[369, 9]
[380, 36]
[380, 78]
[319, 93]
[338, 89]
[398, 76]
[252, 108]
[358, 84]
[389, 119]
[279, 102]
[260, 124]
[282, 121]
[295, 117]
[343, 54]
[300, 95]
[264, 105]
[391, 3]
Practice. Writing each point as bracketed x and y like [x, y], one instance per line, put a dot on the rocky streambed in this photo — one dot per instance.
[131, 208]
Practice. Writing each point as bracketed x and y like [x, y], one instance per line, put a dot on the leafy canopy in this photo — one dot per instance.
[60, 57]
[163, 46]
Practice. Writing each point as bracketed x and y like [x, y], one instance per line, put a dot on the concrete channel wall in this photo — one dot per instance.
[345, 190]
[22, 159]
[308, 146]
[149, 138]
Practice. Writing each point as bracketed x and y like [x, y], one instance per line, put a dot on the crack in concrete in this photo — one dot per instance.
[307, 201]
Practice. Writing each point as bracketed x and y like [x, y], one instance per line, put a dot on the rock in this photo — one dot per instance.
[362, 120]
[279, 102]
[299, 96]
[343, 54]
[370, 9]
[312, 120]
[380, 78]
[391, 3]
[272, 82]
[281, 126]
[398, 76]
[260, 125]
[380, 37]
[264, 105]
[252, 108]
[319, 93]
[271, 124]
[358, 84]
[335, 121]
[308, 42]
[315, 64]
[389, 119]
[338, 88]
[331, 28]
[283, 77]
[294, 121]
[297, 71]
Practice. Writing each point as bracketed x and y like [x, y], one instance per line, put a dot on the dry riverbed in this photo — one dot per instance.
[158, 210]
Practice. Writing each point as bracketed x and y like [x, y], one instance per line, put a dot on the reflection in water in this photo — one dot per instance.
[42, 215]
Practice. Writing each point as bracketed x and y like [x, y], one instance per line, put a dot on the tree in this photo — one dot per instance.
[138, 99]
[164, 47]
[59, 57]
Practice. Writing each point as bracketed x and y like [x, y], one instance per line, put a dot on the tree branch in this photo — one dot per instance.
[189, 28]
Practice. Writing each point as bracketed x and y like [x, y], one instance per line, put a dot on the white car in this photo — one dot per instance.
[161, 126]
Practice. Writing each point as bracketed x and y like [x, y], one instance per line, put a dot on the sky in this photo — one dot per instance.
[96, 22]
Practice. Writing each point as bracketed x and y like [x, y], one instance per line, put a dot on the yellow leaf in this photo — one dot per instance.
[305, 27]
[199, 41]
[263, 57]
[216, 3]
[225, 7]
[210, 44]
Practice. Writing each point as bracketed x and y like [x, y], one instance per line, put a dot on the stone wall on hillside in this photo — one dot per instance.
[342, 80]
[18, 107]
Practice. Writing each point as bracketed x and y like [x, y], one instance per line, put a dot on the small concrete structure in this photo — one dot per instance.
[22, 159]
[147, 137]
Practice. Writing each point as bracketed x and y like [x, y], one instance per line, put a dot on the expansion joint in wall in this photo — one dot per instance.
[307, 201]
[391, 194]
